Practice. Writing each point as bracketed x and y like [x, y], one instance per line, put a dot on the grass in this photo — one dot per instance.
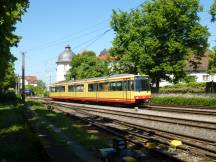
[184, 101]
[83, 133]
[17, 142]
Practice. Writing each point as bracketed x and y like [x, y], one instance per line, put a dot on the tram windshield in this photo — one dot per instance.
[142, 83]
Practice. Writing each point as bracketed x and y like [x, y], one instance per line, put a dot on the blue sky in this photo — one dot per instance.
[50, 25]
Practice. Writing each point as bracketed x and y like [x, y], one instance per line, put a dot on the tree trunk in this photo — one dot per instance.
[157, 85]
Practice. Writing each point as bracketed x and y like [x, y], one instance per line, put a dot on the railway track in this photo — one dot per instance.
[191, 110]
[118, 129]
[203, 110]
[196, 135]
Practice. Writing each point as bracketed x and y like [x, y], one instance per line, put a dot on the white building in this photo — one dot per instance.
[200, 72]
[63, 63]
[29, 80]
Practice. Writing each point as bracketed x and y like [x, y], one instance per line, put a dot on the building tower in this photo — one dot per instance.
[63, 63]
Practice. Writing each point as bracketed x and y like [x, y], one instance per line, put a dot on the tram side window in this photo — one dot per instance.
[92, 87]
[118, 86]
[115, 86]
[130, 85]
[125, 85]
[112, 86]
[142, 84]
[79, 88]
[102, 86]
[60, 89]
[52, 89]
[71, 88]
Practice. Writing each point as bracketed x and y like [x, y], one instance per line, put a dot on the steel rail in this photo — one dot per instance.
[201, 129]
[158, 137]
[197, 110]
[189, 122]
[198, 124]
[186, 123]
[202, 110]
[198, 139]
[112, 130]
[189, 108]
[79, 105]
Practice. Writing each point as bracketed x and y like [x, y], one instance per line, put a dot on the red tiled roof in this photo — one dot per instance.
[30, 79]
[202, 65]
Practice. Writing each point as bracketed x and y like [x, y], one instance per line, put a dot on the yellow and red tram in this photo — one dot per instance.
[122, 88]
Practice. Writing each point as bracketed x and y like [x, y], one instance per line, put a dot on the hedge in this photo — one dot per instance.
[193, 87]
[184, 101]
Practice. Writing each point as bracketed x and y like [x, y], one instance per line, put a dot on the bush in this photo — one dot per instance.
[192, 87]
[9, 97]
[184, 101]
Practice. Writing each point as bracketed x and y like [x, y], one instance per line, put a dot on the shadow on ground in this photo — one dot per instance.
[86, 134]
[17, 142]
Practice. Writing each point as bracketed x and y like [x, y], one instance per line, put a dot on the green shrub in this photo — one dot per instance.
[184, 101]
[9, 97]
[192, 87]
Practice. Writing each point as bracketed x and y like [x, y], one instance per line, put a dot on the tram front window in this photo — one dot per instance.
[142, 84]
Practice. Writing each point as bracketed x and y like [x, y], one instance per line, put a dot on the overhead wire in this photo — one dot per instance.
[66, 39]
[97, 38]
[80, 34]
[88, 42]
[71, 34]
[92, 39]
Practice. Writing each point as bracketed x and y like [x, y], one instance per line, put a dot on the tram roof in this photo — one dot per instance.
[100, 78]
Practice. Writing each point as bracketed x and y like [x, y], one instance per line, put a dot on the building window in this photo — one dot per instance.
[65, 67]
[205, 77]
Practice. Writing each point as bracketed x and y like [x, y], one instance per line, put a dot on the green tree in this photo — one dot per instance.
[189, 79]
[39, 90]
[41, 84]
[157, 38]
[9, 79]
[212, 62]
[212, 56]
[10, 12]
[87, 65]
[213, 11]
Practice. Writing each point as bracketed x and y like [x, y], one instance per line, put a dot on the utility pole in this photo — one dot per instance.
[50, 77]
[23, 77]
[17, 84]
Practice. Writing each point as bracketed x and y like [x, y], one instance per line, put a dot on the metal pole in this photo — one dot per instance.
[16, 84]
[23, 77]
[50, 78]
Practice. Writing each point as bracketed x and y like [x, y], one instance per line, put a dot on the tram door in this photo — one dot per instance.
[126, 92]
